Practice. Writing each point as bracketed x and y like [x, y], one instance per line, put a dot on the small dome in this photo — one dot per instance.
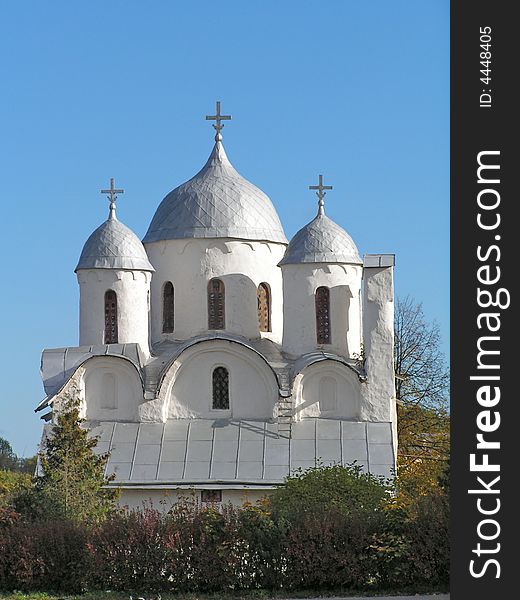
[321, 241]
[114, 246]
[217, 203]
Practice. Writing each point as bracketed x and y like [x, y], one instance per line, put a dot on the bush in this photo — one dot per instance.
[338, 530]
[49, 556]
[317, 490]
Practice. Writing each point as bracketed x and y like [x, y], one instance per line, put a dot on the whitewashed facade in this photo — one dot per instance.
[214, 358]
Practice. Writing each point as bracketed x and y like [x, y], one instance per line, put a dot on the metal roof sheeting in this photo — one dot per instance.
[114, 246]
[218, 202]
[239, 452]
[321, 241]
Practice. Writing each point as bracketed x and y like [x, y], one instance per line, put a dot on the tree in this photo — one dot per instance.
[422, 392]
[8, 459]
[11, 462]
[72, 480]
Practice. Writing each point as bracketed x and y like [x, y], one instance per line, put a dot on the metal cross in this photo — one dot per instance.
[112, 196]
[218, 118]
[320, 193]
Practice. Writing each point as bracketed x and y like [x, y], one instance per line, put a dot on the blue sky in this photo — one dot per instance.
[358, 91]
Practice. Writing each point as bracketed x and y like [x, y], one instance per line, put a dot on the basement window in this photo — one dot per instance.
[211, 495]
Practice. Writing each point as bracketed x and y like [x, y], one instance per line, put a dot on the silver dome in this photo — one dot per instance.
[114, 246]
[321, 241]
[218, 202]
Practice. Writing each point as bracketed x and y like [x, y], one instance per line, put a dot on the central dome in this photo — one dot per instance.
[217, 203]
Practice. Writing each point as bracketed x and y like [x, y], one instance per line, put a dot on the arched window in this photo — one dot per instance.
[216, 312]
[168, 307]
[322, 315]
[110, 317]
[220, 388]
[264, 307]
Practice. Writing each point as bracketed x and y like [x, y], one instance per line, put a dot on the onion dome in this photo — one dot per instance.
[113, 245]
[322, 240]
[217, 203]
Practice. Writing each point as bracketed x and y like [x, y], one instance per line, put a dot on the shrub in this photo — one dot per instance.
[50, 556]
[317, 490]
[360, 541]
[330, 551]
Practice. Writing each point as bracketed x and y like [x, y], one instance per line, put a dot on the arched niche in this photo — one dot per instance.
[186, 390]
[113, 389]
[327, 389]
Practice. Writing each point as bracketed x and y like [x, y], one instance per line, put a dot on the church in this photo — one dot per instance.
[216, 357]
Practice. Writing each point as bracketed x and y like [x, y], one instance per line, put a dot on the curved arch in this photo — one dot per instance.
[192, 343]
[49, 401]
[111, 389]
[310, 359]
[327, 389]
[171, 399]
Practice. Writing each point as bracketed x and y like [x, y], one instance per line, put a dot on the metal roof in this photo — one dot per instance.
[321, 241]
[114, 246]
[199, 452]
[218, 202]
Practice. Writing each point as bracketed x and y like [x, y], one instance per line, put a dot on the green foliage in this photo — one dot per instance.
[9, 461]
[12, 483]
[318, 490]
[369, 546]
[72, 482]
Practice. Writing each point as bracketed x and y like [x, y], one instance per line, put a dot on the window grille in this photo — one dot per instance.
[216, 313]
[110, 317]
[211, 495]
[220, 389]
[323, 315]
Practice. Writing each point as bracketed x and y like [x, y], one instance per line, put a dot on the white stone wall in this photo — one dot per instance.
[329, 390]
[112, 389]
[164, 499]
[190, 264]
[299, 286]
[186, 390]
[132, 289]
[378, 401]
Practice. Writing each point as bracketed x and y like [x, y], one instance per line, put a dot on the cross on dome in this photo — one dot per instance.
[217, 117]
[321, 194]
[112, 197]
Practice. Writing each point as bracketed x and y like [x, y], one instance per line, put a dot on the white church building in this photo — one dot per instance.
[215, 357]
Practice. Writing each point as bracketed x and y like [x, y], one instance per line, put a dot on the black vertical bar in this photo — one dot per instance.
[484, 118]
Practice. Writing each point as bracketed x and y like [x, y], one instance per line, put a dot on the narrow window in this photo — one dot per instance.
[168, 307]
[216, 315]
[264, 307]
[220, 389]
[322, 315]
[110, 317]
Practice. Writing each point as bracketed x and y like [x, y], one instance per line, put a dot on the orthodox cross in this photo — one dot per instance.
[112, 197]
[217, 117]
[320, 193]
